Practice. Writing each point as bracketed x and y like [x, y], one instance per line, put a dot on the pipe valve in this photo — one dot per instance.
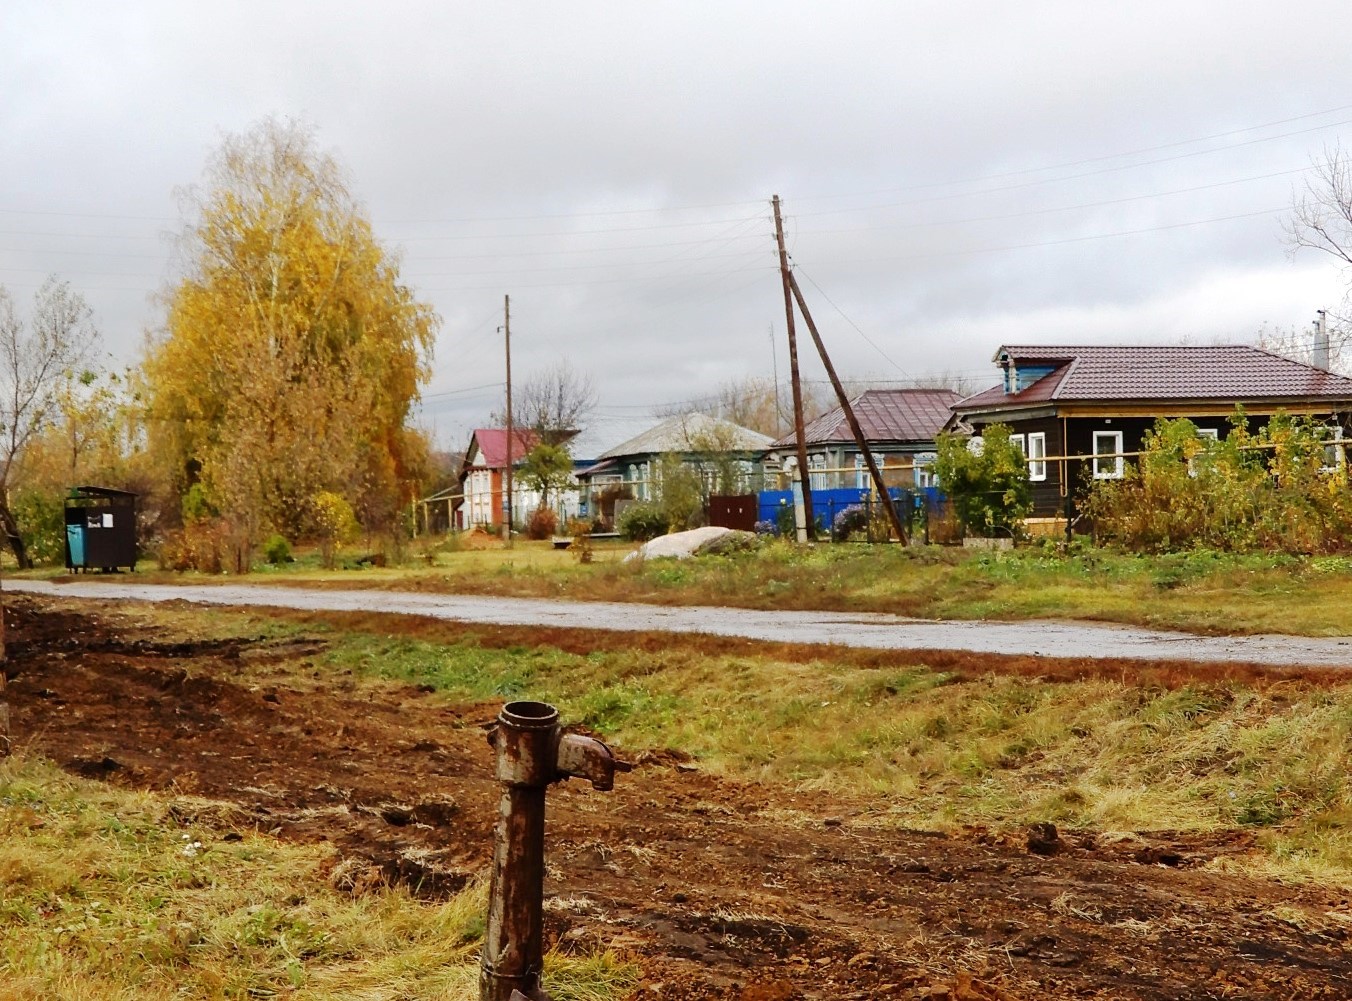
[588, 758]
[531, 751]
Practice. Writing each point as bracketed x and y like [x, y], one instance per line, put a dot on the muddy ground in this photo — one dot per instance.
[718, 889]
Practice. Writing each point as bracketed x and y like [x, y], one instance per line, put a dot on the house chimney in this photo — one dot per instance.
[1321, 341]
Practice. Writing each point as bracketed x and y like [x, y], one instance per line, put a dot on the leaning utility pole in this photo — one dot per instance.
[507, 473]
[859, 438]
[785, 278]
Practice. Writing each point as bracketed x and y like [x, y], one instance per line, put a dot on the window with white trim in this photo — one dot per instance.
[924, 470]
[1209, 436]
[815, 478]
[1107, 455]
[1335, 452]
[1037, 456]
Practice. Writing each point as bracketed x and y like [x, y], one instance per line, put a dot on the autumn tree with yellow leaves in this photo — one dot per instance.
[292, 350]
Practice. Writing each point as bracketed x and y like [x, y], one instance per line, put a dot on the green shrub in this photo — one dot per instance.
[680, 494]
[1264, 491]
[277, 550]
[986, 481]
[196, 505]
[42, 525]
[641, 522]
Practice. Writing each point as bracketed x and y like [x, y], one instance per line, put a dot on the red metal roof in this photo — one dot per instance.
[493, 446]
[883, 415]
[1235, 372]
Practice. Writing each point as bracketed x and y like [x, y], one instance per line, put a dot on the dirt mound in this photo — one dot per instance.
[706, 881]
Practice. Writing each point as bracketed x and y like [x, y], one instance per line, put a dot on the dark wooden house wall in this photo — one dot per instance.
[1049, 500]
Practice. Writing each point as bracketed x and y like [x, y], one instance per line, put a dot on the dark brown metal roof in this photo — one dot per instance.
[1235, 372]
[884, 415]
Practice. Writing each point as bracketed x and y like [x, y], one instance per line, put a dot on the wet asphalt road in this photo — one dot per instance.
[869, 630]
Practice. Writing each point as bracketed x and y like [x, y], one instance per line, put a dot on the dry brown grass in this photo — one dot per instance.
[108, 894]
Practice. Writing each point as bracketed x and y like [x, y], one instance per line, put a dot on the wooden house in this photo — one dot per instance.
[1079, 412]
[631, 469]
[483, 480]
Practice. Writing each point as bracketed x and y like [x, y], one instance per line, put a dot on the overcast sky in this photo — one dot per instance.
[955, 176]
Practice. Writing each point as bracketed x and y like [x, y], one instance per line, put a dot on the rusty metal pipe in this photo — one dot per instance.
[531, 751]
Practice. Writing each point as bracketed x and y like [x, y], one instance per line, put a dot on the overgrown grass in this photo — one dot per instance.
[914, 746]
[108, 894]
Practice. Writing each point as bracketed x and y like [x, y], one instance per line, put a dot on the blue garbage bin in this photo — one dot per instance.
[75, 537]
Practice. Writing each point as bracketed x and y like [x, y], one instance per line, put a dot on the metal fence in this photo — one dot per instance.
[854, 514]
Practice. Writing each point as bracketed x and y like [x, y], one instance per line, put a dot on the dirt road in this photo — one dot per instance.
[719, 889]
[865, 629]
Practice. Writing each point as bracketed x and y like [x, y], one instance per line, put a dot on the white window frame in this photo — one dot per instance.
[861, 473]
[1334, 442]
[816, 475]
[1209, 435]
[923, 466]
[1021, 442]
[1037, 456]
[1117, 469]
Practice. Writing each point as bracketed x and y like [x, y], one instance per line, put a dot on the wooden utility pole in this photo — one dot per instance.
[859, 438]
[507, 473]
[786, 278]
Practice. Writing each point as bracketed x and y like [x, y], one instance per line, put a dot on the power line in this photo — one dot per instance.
[754, 268]
[431, 257]
[1072, 177]
[869, 340]
[1102, 157]
[1069, 240]
[569, 215]
[1063, 208]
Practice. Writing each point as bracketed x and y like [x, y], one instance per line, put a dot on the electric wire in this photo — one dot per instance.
[1108, 156]
[859, 330]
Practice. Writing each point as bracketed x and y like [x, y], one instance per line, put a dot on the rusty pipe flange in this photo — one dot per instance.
[523, 738]
[528, 715]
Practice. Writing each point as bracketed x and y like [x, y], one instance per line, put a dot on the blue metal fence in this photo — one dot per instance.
[776, 506]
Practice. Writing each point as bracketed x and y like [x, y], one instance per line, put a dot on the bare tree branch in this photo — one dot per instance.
[555, 402]
[1321, 215]
[33, 360]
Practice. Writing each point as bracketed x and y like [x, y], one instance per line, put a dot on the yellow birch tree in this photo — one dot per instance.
[292, 351]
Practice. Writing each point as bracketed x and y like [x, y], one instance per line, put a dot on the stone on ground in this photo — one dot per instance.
[695, 542]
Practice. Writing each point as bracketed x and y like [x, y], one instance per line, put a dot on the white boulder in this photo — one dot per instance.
[683, 545]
